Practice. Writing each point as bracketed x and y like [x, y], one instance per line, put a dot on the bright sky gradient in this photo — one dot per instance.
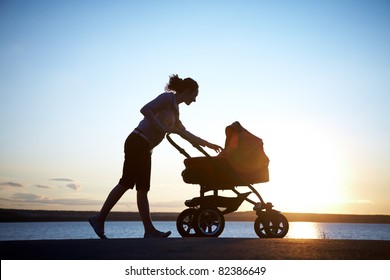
[311, 78]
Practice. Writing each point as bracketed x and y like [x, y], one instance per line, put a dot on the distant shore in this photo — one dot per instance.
[16, 215]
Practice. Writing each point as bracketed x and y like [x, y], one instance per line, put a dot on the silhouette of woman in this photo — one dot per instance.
[161, 116]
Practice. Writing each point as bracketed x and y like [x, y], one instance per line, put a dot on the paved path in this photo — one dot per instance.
[195, 248]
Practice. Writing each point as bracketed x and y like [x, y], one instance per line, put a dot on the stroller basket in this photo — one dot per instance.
[218, 173]
[230, 204]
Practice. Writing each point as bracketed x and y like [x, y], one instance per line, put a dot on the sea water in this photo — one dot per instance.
[82, 230]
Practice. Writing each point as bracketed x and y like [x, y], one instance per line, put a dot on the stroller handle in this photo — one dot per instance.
[181, 150]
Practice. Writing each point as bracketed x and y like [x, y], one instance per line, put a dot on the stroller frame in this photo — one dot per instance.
[204, 217]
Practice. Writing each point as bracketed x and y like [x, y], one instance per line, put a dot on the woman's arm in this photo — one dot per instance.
[183, 132]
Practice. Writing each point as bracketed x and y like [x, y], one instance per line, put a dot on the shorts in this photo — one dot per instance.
[137, 164]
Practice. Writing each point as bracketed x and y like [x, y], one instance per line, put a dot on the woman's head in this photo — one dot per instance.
[186, 88]
[178, 85]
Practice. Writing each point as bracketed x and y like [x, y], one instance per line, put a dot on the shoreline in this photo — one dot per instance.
[16, 215]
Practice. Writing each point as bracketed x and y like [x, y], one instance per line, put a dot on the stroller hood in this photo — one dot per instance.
[243, 150]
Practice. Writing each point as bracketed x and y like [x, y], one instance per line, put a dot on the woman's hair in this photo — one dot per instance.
[177, 84]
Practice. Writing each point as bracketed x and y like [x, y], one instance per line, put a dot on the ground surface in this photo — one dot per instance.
[195, 248]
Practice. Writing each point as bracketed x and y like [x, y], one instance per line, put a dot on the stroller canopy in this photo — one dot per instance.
[243, 150]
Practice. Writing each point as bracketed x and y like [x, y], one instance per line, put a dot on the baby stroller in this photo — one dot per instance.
[242, 163]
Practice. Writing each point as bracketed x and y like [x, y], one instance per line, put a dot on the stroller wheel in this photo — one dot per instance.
[261, 223]
[278, 225]
[209, 222]
[185, 223]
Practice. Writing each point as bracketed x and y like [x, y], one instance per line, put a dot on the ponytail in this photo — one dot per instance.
[177, 84]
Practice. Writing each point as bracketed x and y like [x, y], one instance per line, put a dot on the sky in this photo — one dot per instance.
[311, 78]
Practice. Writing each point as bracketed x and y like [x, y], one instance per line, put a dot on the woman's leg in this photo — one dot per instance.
[110, 202]
[144, 210]
[97, 222]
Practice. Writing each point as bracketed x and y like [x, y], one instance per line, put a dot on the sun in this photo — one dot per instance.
[306, 170]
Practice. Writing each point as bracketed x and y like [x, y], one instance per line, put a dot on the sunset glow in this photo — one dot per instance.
[310, 78]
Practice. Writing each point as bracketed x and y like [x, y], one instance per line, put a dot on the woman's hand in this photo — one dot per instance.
[215, 147]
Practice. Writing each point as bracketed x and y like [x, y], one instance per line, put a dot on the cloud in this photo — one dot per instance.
[34, 201]
[31, 198]
[167, 203]
[73, 186]
[76, 202]
[43, 187]
[72, 183]
[61, 179]
[11, 184]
